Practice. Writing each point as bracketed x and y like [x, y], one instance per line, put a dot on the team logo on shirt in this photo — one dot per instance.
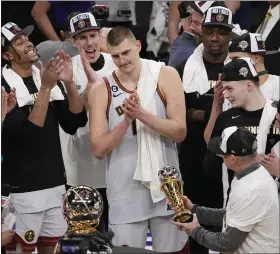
[29, 235]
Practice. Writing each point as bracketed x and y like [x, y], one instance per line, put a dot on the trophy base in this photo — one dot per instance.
[183, 217]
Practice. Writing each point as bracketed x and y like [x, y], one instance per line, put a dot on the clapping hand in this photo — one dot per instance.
[9, 102]
[132, 106]
[66, 75]
[50, 72]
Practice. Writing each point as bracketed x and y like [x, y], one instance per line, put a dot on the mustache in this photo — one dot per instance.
[30, 48]
[123, 65]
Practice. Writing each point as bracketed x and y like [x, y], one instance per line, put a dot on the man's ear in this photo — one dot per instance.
[139, 45]
[7, 56]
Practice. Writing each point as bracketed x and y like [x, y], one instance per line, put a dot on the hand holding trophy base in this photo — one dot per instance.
[172, 186]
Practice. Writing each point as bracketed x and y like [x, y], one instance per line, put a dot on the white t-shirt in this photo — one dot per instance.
[271, 88]
[80, 165]
[253, 207]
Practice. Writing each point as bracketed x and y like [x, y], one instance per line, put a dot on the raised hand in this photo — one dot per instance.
[9, 101]
[50, 73]
[219, 91]
[66, 75]
[90, 73]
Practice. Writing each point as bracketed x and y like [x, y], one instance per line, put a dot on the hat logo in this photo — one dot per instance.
[189, 10]
[81, 24]
[243, 45]
[17, 28]
[2, 41]
[220, 18]
[243, 71]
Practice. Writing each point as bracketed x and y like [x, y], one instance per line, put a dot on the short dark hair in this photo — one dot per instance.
[118, 34]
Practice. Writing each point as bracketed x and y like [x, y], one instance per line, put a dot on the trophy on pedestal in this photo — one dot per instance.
[172, 186]
[82, 208]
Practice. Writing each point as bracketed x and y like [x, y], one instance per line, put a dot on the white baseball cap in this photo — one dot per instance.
[83, 22]
[218, 16]
[11, 31]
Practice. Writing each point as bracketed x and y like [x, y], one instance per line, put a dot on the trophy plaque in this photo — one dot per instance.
[172, 186]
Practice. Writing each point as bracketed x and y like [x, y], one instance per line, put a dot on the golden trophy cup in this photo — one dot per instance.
[172, 186]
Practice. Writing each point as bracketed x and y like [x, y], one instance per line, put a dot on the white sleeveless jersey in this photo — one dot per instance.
[80, 165]
[129, 200]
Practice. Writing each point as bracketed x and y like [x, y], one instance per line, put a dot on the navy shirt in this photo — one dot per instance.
[61, 9]
[181, 49]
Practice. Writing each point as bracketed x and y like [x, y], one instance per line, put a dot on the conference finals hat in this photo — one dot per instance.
[234, 140]
[11, 31]
[83, 22]
[240, 69]
[218, 16]
[247, 43]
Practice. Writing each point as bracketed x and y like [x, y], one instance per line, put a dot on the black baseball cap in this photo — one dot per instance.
[240, 69]
[218, 16]
[10, 31]
[236, 141]
[247, 43]
[83, 22]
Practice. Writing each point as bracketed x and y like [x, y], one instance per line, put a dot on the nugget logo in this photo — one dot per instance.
[29, 235]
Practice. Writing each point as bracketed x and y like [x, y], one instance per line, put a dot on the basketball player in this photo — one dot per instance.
[241, 88]
[81, 166]
[32, 161]
[137, 106]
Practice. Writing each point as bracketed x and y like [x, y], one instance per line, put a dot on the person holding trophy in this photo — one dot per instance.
[250, 220]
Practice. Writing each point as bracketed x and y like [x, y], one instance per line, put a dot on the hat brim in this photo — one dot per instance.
[209, 24]
[85, 29]
[27, 31]
[214, 146]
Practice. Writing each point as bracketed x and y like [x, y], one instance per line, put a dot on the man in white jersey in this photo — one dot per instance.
[81, 166]
[123, 129]
[252, 45]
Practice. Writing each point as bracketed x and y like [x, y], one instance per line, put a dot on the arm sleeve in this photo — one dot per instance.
[227, 241]
[69, 121]
[209, 216]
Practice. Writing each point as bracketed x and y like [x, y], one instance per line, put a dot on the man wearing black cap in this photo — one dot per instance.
[251, 220]
[200, 76]
[32, 160]
[252, 45]
[249, 109]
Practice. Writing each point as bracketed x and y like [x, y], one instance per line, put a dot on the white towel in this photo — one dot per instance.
[268, 115]
[195, 77]
[151, 151]
[23, 95]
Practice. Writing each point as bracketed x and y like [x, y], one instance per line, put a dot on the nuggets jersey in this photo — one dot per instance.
[129, 200]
